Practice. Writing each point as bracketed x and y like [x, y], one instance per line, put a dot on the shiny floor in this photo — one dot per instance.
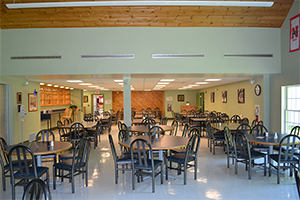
[214, 180]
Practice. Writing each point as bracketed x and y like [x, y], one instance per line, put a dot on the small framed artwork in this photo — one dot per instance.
[85, 99]
[294, 34]
[180, 97]
[212, 97]
[224, 96]
[19, 97]
[241, 95]
[32, 102]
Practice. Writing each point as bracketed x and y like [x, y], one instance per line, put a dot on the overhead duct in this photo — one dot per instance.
[178, 55]
[109, 56]
[34, 57]
[248, 55]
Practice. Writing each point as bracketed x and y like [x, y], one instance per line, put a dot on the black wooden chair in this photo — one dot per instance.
[287, 157]
[145, 164]
[46, 135]
[187, 159]
[19, 156]
[245, 155]
[74, 166]
[36, 190]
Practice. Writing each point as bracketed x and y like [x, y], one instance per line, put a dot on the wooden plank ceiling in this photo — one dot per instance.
[147, 16]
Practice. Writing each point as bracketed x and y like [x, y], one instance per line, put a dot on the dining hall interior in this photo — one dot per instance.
[125, 54]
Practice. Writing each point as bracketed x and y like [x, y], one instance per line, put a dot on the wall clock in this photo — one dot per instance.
[257, 90]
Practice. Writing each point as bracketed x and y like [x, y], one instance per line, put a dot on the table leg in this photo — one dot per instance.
[39, 160]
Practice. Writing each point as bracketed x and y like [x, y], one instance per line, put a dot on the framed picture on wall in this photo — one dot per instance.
[32, 102]
[241, 95]
[85, 99]
[180, 97]
[212, 97]
[224, 96]
[19, 97]
[294, 33]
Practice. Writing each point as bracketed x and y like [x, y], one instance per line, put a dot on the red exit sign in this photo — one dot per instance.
[96, 92]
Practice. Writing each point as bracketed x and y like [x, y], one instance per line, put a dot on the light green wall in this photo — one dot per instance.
[232, 106]
[290, 70]
[189, 95]
[31, 122]
[71, 43]
[107, 96]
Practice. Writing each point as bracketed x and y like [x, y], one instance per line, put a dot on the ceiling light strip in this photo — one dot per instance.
[178, 55]
[109, 56]
[249, 55]
[140, 3]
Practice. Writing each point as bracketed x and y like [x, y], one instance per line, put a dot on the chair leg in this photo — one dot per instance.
[153, 182]
[278, 174]
[3, 180]
[86, 176]
[133, 181]
[195, 168]
[72, 180]
[116, 174]
[54, 177]
[184, 173]
[166, 169]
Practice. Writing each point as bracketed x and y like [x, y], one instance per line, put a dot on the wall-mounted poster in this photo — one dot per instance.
[32, 102]
[212, 97]
[224, 96]
[169, 98]
[169, 107]
[180, 97]
[241, 95]
[85, 99]
[294, 33]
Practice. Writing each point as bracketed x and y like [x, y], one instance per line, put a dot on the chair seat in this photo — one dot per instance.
[179, 158]
[156, 164]
[254, 155]
[177, 150]
[67, 164]
[15, 164]
[125, 159]
[40, 172]
[282, 157]
[65, 156]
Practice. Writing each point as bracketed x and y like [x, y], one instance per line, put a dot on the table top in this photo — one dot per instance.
[139, 121]
[41, 148]
[265, 140]
[84, 123]
[145, 129]
[231, 125]
[198, 119]
[164, 142]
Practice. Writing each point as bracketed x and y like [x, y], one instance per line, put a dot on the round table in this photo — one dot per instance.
[84, 123]
[43, 148]
[163, 142]
[145, 129]
[265, 140]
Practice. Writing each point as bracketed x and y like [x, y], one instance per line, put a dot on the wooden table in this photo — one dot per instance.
[164, 142]
[43, 148]
[145, 129]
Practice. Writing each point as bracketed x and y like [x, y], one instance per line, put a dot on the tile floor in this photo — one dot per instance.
[215, 181]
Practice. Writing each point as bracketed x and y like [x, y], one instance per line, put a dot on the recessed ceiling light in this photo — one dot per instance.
[193, 85]
[71, 88]
[118, 81]
[93, 86]
[186, 87]
[67, 87]
[74, 81]
[49, 84]
[55, 85]
[84, 90]
[62, 87]
[201, 83]
[42, 83]
[213, 79]
[167, 80]
[160, 83]
[85, 84]
[181, 88]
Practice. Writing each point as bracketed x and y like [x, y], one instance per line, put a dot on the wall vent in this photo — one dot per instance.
[109, 56]
[248, 55]
[178, 55]
[34, 57]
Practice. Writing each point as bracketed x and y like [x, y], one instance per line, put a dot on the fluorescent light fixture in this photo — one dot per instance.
[147, 90]
[186, 87]
[42, 83]
[193, 85]
[71, 88]
[95, 86]
[213, 79]
[156, 88]
[201, 83]
[84, 90]
[74, 81]
[49, 84]
[85, 84]
[181, 88]
[167, 80]
[159, 83]
[67, 87]
[105, 89]
[140, 3]
[118, 81]
[55, 85]
[62, 87]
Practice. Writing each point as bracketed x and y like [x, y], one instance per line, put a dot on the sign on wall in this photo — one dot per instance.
[294, 33]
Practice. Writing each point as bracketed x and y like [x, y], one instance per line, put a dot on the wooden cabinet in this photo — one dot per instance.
[52, 96]
[188, 107]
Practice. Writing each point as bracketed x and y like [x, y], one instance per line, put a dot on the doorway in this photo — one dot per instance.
[97, 104]
[200, 101]
[2, 112]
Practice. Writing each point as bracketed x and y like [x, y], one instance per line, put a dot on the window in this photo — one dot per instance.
[290, 107]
